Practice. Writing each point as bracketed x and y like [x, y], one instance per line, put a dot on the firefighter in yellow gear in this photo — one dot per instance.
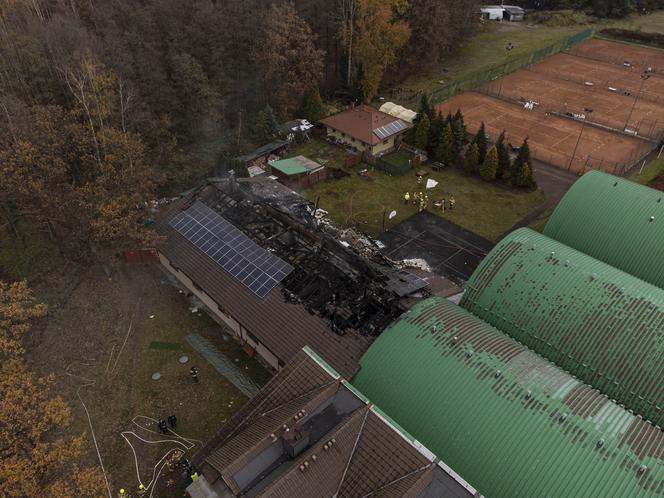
[141, 490]
[194, 477]
[406, 198]
[122, 493]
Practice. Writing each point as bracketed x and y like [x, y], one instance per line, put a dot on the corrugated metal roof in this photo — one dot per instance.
[609, 218]
[599, 323]
[506, 419]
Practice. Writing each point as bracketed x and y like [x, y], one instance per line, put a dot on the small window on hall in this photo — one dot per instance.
[385, 142]
[343, 135]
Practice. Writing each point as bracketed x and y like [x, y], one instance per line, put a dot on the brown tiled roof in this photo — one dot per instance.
[368, 457]
[284, 328]
[322, 476]
[375, 464]
[255, 438]
[360, 123]
[300, 376]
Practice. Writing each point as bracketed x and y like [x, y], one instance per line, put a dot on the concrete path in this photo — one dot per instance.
[224, 365]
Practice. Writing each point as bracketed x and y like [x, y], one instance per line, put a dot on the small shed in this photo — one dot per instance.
[260, 156]
[513, 13]
[299, 172]
[502, 12]
[492, 12]
[398, 111]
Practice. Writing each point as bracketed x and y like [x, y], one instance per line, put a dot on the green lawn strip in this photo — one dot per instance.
[486, 209]
[651, 171]
[540, 222]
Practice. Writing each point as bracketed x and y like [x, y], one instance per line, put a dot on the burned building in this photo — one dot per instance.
[253, 251]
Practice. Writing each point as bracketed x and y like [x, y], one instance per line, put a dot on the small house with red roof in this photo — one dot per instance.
[367, 129]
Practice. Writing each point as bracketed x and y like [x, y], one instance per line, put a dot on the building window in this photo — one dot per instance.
[385, 142]
[343, 135]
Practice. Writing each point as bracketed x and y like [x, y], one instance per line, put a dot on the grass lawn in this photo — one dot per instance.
[86, 337]
[318, 150]
[397, 158]
[486, 209]
[651, 171]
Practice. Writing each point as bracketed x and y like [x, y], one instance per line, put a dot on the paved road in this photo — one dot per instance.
[555, 182]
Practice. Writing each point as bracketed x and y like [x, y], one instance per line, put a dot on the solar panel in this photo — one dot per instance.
[231, 249]
[390, 129]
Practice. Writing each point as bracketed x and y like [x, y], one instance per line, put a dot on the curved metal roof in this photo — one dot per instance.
[503, 417]
[597, 322]
[609, 218]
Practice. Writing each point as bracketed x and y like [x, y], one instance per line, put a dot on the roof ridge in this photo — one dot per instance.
[398, 479]
[352, 453]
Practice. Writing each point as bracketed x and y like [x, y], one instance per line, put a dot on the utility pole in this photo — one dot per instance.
[569, 167]
[636, 99]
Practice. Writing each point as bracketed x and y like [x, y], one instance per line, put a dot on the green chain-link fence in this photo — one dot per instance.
[484, 76]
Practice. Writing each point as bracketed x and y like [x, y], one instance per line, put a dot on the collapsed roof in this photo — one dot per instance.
[334, 299]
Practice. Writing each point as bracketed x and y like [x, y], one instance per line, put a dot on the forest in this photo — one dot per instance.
[600, 8]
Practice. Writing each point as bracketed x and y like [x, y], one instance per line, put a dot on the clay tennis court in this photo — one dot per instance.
[603, 74]
[617, 53]
[552, 139]
[559, 86]
[610, 108]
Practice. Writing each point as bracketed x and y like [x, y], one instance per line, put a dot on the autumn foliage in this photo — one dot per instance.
[35, 453]
[77, 171]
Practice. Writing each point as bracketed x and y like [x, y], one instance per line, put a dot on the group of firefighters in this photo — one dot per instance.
[422, 200]
[173, 459]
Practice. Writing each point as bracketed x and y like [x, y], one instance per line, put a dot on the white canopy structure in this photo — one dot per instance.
[398, 111]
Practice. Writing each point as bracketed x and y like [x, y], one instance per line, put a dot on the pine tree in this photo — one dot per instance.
[313, 105]
[481, 141]
[522, 157]
[459, 133]
[444, 152]
[504, 161]
[472, 159]
[490, 165]
[423, 108]
[435, 133]
[422, 133]
[524, 177]
[267, 126]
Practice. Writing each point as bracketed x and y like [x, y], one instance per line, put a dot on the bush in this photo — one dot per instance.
[561, 18]
[643, 37]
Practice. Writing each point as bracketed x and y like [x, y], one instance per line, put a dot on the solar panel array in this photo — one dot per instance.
[390, 129]
[227, 246]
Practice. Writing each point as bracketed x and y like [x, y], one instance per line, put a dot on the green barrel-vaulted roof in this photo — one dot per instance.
[616, 221]
[591, 319]
[503, 417]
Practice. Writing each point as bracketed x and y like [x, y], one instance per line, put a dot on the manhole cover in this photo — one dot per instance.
[183, 359]
[156, 376]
